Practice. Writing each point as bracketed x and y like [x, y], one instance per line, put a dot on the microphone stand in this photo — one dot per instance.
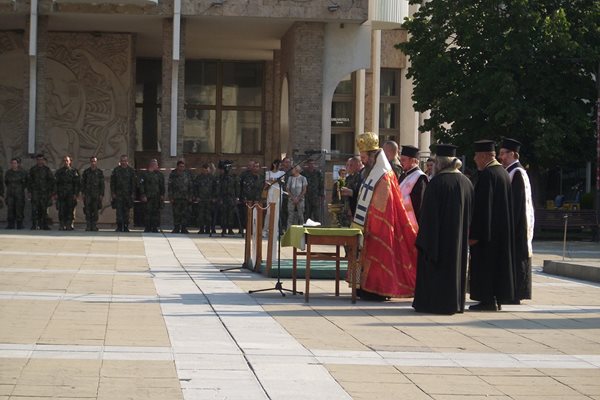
[279, 285]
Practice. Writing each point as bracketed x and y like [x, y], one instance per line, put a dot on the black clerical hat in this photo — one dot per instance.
[409, 151]
[484, 146]
[445, 150]
[511, 144]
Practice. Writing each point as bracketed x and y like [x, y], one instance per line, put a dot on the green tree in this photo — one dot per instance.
[524, 69]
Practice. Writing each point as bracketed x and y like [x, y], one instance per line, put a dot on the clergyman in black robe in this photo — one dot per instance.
[523, 213]
[491, 280]
[443, 235]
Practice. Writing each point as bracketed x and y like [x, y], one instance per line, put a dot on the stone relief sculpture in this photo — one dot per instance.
[88, 84]
[13, 64]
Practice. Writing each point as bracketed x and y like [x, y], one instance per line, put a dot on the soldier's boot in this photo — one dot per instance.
[176, 229]
[230, 232]
[125, 228]
[10, 225]
[94, 227]
[201, 230]
[213, 230]
[155, 229]
[184, 229]
[223, 232]
[19, 224]
[119, 228]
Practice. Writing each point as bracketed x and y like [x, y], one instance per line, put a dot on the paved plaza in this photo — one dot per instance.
[115, 316]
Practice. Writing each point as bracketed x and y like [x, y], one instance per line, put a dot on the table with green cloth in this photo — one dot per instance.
[301, 237]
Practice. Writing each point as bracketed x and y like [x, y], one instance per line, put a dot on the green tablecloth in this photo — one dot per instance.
[294, 236]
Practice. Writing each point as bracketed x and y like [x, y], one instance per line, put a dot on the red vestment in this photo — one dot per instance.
[389, 256]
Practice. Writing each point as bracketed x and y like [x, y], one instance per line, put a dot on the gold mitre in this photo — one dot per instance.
[367, 141]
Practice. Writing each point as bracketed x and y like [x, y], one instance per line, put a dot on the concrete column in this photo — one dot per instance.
[167, 77]
[376, 77]
[359, 123]
[409, 118]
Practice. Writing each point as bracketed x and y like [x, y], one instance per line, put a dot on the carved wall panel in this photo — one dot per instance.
[13, 75]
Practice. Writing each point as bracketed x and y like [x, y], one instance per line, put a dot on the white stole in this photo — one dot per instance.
[529, 214]
[406, 187]
[381, 167]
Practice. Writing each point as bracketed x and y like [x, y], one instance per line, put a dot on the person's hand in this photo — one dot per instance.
[346, 192]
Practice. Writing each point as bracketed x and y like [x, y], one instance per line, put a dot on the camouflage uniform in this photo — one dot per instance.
[180, 195]
[16, 182]
[203, 193]
[314, 191]
[92, 188]
[67, 189]
[122, 189]
[228, 189]
[152, 186]
[397, 168]
[343, 218]
[251, 186]
[41, 187]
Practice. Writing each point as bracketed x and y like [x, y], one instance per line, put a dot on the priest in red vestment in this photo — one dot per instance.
[388, 258]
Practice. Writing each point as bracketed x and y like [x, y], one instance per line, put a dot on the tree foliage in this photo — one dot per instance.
[524, 69]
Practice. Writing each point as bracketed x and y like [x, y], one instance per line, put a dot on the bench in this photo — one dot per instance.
[580, 220]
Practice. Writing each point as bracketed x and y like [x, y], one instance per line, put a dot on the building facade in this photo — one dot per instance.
[203, 79]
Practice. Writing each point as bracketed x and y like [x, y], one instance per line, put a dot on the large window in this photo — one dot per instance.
[147, 104]
[342, 117]
[224, 106]
[389, 106]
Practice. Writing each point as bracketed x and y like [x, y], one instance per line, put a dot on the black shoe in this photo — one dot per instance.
[483, 307]
[119, 228]
[213, 230]
[230, 232]
[125, 228]
[223, 233]
[200, 231]
[155, 230]
[176, 229]
[369, 296]
[184, 230]
[33, 227]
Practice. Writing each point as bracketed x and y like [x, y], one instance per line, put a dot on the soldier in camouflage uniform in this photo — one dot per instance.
[314, 192]
[228, 189]
[122, 192]
[152, 191]
[67, 189]
[203, 195]
[41, 188]
[350, 191]
[16, 182]
[251, 185]
[180, 196]
[92, 192]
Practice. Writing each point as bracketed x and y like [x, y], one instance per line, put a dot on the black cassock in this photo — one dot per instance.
[443, 246]
[522, 259]
[492, 262]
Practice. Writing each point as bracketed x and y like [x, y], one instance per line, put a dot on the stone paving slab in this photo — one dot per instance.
[148, 316]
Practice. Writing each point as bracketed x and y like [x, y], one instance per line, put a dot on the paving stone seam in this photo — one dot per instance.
[69, 254]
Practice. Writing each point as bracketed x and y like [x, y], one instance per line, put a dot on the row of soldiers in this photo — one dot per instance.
[219, 198]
